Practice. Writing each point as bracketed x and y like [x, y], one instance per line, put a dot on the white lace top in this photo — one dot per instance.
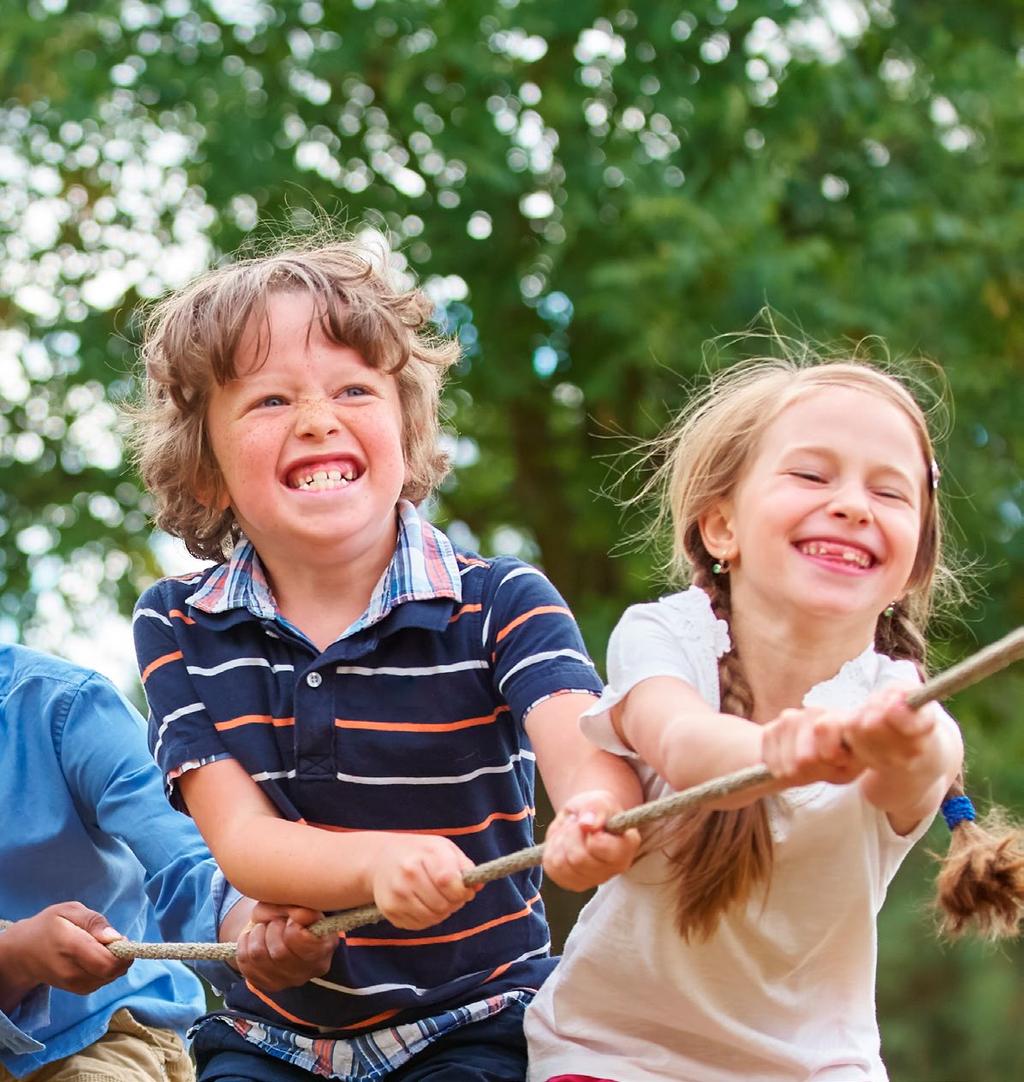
[785, 988]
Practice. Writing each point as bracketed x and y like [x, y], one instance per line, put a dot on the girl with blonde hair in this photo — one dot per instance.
[803, 498]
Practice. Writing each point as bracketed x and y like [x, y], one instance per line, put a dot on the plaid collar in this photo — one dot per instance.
[423, 568]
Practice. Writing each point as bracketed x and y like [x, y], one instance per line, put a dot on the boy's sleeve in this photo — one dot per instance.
[117, 786]
[532, 639]
[181, 731]
[31, 1015]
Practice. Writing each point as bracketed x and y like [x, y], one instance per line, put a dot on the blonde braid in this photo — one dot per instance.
[980, 882]
[720, 855]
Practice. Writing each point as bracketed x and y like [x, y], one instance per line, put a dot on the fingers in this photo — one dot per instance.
[279, 951]
[419, 882]
[578, 852]
[78, 957]
[887, 732]
[807, 745]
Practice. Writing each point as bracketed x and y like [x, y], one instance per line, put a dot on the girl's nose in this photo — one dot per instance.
[316, 418]
[851, 502]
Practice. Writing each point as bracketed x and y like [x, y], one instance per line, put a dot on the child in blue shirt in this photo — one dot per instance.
[349, 705]
[85, 817]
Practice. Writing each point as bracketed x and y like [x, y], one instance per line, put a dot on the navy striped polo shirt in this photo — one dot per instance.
[411, 721]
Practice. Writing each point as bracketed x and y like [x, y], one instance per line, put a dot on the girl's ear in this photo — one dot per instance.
[717, 532]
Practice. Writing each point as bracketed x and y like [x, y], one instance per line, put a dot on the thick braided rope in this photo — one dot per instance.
[969, 671]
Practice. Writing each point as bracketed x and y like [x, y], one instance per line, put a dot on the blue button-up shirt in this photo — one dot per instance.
[84, 817]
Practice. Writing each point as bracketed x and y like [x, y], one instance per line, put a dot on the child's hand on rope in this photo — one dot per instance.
[417, 879]
[64, 946]
[276, 950]
[886, 734]
[806, 745]
[578, 852]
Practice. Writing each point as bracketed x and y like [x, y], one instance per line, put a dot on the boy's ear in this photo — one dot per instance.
[717, 532]
[211, 492]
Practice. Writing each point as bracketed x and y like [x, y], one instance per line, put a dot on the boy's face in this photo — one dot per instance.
[309, 443]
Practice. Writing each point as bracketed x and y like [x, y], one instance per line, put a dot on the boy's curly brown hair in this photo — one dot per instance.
[190, 342]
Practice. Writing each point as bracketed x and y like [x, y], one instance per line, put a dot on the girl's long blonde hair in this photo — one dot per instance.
[722, 857]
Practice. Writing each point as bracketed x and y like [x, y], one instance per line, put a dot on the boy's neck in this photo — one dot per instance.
[324, 598]
[785, 654]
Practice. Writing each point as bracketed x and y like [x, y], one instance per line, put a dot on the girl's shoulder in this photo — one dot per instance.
[686, 617]
[860, 677]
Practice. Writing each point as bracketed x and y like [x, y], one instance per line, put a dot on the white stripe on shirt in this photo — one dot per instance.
[410, 670]
[536, 659]
[450, 779]
[198, 670]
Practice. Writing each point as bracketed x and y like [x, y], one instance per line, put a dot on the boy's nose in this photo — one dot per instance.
[316, 418]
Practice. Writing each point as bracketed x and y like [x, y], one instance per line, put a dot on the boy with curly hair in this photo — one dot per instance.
[349, 705]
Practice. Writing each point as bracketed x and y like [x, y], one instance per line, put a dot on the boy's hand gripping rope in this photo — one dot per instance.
[962, 675]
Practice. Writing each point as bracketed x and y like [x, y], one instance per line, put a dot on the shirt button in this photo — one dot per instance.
[314, 679]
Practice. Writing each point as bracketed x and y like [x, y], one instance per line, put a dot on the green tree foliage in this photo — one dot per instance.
[592, 191]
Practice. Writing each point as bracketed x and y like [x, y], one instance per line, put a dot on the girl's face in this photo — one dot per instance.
[826, 520]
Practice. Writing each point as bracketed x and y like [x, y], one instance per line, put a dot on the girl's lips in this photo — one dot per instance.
[837, 554]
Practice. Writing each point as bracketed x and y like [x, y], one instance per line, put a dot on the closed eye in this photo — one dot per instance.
[892, 494]
[808, 475]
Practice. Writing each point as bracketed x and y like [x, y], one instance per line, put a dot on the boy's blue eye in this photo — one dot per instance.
[272, 400]
[354, 392]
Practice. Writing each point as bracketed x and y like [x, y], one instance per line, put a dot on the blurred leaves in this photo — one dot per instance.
[590, 191]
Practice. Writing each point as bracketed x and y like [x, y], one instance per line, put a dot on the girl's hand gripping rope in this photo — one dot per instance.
[578, 852]
[886, 732]
[806, 745]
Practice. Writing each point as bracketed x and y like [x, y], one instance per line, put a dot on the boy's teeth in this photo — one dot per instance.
[321, 480]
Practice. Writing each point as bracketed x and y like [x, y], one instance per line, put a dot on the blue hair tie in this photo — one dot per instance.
[956, 809]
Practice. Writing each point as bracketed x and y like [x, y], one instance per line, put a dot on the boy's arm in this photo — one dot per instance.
[585, 785]
[416, 880]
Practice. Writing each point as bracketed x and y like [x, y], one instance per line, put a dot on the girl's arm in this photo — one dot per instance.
[911, 756]
[585, 786]
[416, 880]
[680, 736]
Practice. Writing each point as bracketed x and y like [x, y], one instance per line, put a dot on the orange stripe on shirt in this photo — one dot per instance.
[278, 1009]
[539, 611]
[446, 832]
[453, 937]
[464, 610]
[419, 727]
[470, 563]
[253, 719]
[177, 614]
[159, 663]
[382, 1017]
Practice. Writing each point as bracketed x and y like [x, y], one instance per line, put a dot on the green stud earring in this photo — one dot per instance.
[720, 567]
[889, 611]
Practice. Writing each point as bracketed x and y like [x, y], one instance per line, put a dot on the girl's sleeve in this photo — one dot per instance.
[678, 637]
